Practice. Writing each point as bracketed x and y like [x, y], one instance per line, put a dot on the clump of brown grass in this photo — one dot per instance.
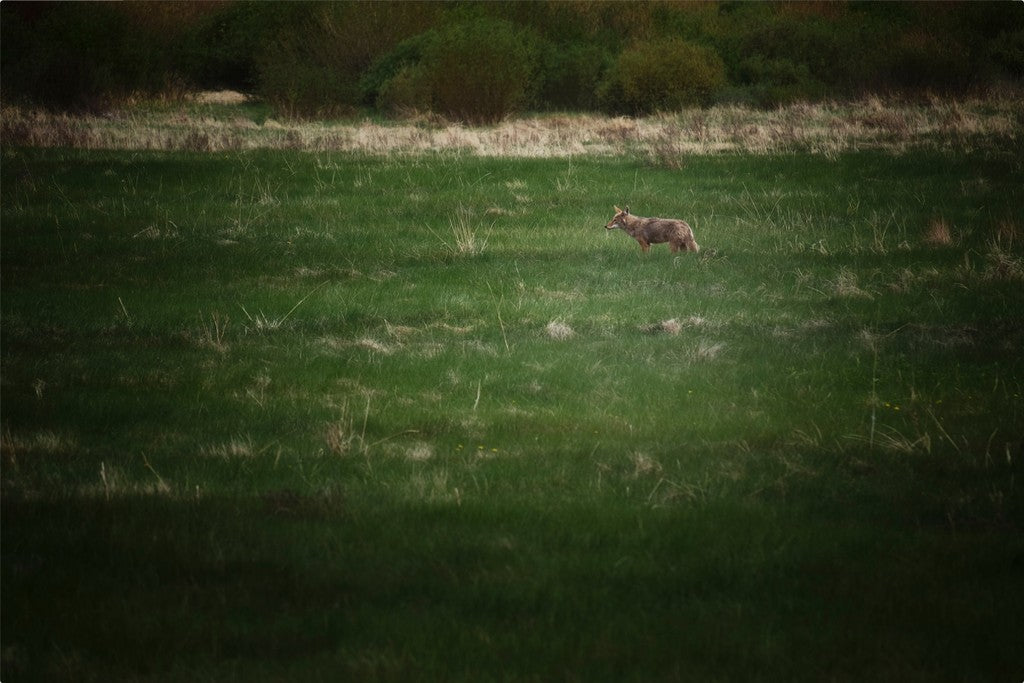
[1007, 233]
[939, 233]
[847, 286]
[707, 351]
[666, 148]
[877, 115]
[644, 465]
[467, 239]
[671, 326]
[238, 447]
[226, 97]
[419, 451]
[342, 435]
[374, 346]
[213, 335]
[558, 330]
[1002, 265]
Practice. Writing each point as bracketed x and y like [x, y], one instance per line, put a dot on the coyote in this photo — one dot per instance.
[648, 231]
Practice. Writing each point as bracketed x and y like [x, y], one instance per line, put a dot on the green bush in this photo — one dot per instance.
[407, 91]
[481, 70]
[920, 61]
[664, 75]
[78, 55]
[223, 48]
[315, 66]
[298, 88]
[403, 59]
[775, 57]
[307, 71]
[570, 76]
[1007, 51]
[774, 82]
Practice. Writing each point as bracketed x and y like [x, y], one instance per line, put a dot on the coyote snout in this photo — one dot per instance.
[648, 231]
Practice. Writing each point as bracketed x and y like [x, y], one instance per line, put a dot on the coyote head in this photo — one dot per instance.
[618, 220]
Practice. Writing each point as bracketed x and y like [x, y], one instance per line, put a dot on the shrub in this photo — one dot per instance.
[223, 48]
[919, 61]
[405, 57]
[570, 76]
[1007, 51]
[775, 82]
[481, 70]
[78, 55]
[405, 92]
[778, 54]
[307, 72]
[314, 67]
[664, 75]
[301, 89]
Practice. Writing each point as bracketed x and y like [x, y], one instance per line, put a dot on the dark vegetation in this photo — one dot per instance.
[480, 61]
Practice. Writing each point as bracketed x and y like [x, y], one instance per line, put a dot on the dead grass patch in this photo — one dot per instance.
[37, 443]
[373, 345]
[671, 326]
[665, 139]
[1007, 233]
[644, 465]
[708, 351]
[226, 97]
[939, 233]
[559, 331]
[238, 447]
[847, 286]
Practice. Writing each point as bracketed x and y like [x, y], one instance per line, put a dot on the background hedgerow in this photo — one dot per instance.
[479, 71]
[663, 75]
[315, 59]
[312, 67]
[476, 70]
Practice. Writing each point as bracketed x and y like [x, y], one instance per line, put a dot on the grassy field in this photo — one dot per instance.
[273, 415]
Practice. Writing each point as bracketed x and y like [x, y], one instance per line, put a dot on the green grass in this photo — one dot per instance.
[287, 416]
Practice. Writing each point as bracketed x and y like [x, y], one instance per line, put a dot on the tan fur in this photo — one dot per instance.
[648, 231]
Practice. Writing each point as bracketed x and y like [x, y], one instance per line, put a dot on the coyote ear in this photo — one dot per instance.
[627, 209]
[617, 209]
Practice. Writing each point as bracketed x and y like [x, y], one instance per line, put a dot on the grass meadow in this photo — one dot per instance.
[293, 415]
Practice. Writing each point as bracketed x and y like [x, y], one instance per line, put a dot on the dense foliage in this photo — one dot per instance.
[480, 61]
[663, 75]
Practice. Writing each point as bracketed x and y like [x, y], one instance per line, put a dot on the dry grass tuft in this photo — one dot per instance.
[671, 326]
[708, 351]
[939, 233]
[1007, 233]
[644, 465]
[37, 443]
[1002, 266]
[239, 447]
[847, 286]
[419, 451]
[213, 334]
[465, 240]
[558, 330]
[227, 97]
[374, 346]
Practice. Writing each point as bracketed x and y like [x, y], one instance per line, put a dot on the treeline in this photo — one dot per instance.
[479, 61]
